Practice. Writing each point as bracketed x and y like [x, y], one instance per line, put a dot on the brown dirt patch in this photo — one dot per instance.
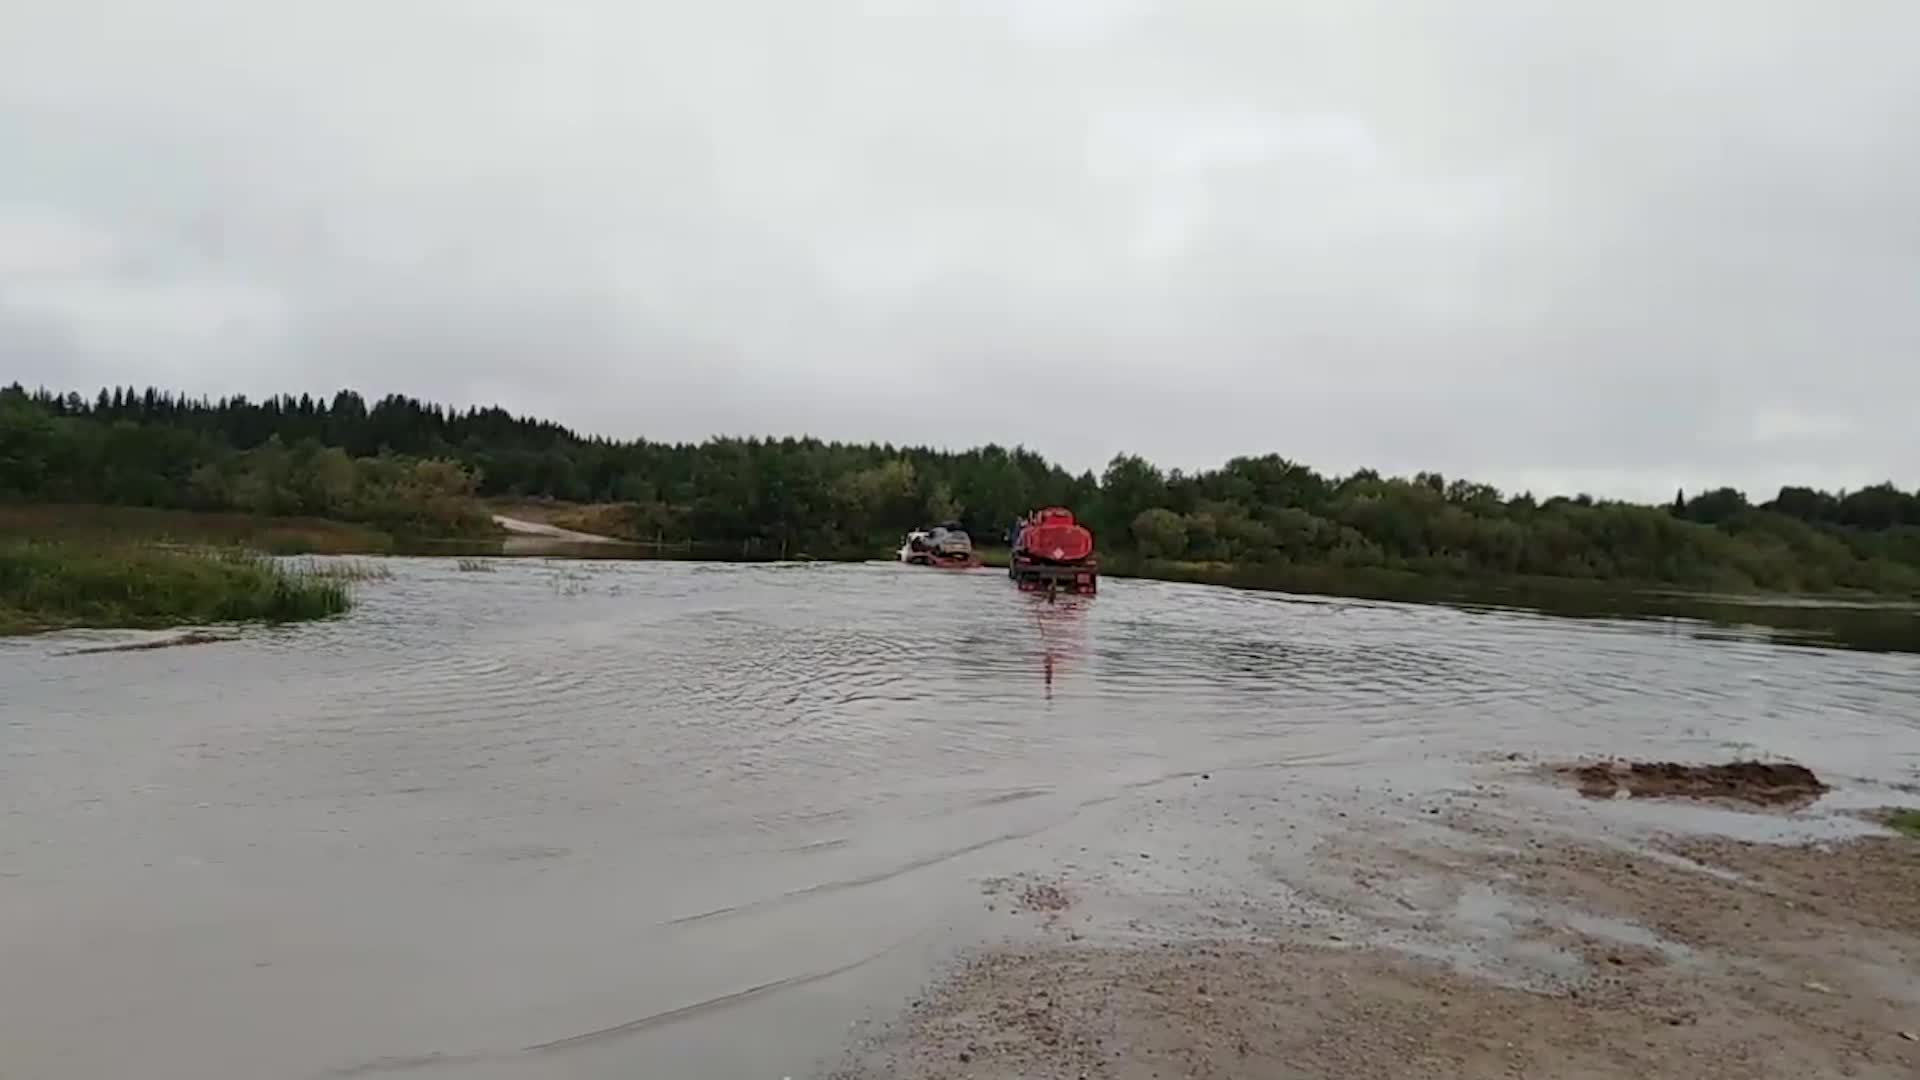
[1756, 961]
[1025, 894]
[1759, 783]
[1045, 897]
[1240, 1012]
[1871, 883]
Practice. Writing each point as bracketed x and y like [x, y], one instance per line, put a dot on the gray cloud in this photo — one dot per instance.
[1617, 247]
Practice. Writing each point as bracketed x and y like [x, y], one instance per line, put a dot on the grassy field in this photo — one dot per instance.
[123, 524]
[47, 585]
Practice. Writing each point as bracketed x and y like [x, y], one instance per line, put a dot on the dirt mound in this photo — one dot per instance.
[1762, 783]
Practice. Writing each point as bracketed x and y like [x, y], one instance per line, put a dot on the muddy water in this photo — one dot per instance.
[648, 819]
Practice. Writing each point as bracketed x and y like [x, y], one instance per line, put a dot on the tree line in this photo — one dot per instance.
[165, 451]
[415, 466]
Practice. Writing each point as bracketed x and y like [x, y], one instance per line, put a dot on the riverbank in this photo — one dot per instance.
[1377, 583]
[1848, 620]
[59, 585]
[96, 524]
[608, 527]
[1502, 925]
[555, 530]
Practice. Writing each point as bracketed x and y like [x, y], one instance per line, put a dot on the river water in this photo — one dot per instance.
[656, 820]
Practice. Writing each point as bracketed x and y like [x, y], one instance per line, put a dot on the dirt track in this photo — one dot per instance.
[1481, 938]
[541, 530]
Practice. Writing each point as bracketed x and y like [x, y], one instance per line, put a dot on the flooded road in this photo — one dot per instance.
[621, 819]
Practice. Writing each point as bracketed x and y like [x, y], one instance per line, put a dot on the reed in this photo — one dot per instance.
[47, 585]
[343, 570]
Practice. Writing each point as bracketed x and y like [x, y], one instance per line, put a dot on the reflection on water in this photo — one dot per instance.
[499, 810]
[1873, 624]
[1060, 631]
[1874, 627]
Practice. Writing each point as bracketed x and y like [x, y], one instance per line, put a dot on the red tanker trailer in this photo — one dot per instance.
[1053, 553]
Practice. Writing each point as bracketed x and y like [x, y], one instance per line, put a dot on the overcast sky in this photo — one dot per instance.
[1610, 246]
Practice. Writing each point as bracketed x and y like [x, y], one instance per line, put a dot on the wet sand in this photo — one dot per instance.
[1496, 929]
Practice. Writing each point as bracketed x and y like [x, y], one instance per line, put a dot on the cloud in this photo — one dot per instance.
[1622, 247]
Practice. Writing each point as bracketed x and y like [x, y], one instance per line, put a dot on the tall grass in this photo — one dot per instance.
[343, 570]
[50, 584]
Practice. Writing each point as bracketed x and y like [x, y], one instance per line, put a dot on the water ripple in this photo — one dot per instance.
[543, 770]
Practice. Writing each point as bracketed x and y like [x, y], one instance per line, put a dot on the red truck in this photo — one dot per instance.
[1053, 553]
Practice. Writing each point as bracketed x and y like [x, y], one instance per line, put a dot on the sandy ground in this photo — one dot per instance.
[527, 537]
[523, 527]
[1506, 929]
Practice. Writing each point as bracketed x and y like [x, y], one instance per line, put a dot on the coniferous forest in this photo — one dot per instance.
[419, 469]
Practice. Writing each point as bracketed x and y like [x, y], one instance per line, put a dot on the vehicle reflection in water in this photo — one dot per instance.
[1060, 631]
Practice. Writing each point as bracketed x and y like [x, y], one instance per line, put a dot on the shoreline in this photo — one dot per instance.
[1886, 628]
[511, 519]
[1847, 620]
[1498, 925]
[516, 522]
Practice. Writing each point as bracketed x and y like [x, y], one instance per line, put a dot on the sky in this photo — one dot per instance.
[1617, 247]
